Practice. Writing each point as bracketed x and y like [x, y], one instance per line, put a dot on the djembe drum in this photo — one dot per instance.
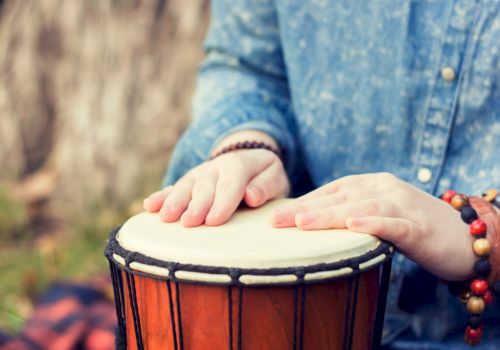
[246, 285]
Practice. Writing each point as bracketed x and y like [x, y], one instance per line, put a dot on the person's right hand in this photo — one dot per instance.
[212, 191]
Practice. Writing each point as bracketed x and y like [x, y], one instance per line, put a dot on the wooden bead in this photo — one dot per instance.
[490, 195]
[482, 267]
[468, 214]
[448, 195]
[479, 286]
[473, 334]
[475, 305]
[475, 321]
[481, 247]
[477, 227]
[458, 201]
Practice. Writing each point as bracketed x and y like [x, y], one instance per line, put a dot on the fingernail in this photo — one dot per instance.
[154, 195]
[166, 212]
[210, 217]
[255, 193]
[279, 216]
[193, 211]
[354, 222]
[348, 222]
[185, 219]
[307, 218]
[168, 208]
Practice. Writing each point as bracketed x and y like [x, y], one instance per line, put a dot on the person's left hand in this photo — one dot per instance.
[425, 228]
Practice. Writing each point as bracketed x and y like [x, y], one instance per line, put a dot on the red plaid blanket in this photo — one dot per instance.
[68, 317]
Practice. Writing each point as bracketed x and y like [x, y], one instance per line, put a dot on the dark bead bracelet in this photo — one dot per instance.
[248, 145]
[474, 321]
[476, 294]
[482, 267]
[468, 214]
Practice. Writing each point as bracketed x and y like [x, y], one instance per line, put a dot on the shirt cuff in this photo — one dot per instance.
[246, 112]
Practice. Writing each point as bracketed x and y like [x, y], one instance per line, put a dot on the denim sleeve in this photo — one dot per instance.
[242, 84]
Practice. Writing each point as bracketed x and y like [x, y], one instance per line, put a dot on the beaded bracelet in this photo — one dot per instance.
[475, 294]
[247, 145]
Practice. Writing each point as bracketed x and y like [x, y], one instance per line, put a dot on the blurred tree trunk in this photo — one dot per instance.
[93, 96]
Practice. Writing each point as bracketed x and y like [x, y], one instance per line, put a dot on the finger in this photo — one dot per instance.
[229, 192]
[335, 217]
[234, 174]
[356, 181]
[401, 232]
[285, 216]
[269, 184]
[177, 201]
[360, 181]
[155, 200]
[202, 197]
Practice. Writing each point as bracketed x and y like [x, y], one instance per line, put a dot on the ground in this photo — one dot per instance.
[29, 264]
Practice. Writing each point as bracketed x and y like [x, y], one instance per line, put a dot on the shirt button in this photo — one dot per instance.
[424, 175]
[448, 74]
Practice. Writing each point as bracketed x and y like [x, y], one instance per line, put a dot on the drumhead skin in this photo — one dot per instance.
[247, 246]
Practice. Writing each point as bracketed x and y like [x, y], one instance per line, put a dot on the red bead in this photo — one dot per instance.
[474, 334]
[488, 297]
[479, 286]
[477, 227]
[448, 195]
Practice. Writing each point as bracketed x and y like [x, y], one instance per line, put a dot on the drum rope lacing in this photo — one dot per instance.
[135, 310]
[298, 321]
[116, 277]
[113, 247]
[172, 317]
[115, 252]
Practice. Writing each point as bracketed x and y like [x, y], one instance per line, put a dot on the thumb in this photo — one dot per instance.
[269, 184]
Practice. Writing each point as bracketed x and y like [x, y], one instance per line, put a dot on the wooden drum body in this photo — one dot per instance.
[246, 285]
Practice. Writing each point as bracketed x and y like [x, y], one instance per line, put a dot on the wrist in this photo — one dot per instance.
[242, 136]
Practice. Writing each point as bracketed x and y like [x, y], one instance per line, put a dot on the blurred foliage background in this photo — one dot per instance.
[93, 96]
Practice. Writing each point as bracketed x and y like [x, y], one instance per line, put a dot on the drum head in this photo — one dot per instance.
[247, 242]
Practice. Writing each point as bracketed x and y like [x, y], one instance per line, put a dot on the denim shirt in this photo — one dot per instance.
[349, 86]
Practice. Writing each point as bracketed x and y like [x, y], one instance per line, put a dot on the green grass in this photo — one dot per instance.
[27, 266]
[13, 218]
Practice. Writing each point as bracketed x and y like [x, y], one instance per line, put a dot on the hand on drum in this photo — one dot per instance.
[212, 191]
[424, 228]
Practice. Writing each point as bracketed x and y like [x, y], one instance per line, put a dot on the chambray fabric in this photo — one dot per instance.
[352, 86]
